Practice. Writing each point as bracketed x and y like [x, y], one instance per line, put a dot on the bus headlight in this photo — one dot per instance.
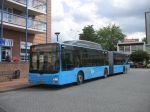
[55, 79]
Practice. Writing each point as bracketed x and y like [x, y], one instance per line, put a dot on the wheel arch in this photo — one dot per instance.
[81, 72]
[106, 69]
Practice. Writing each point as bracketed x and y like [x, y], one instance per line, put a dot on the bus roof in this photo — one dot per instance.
[83, 43]
[77, 43]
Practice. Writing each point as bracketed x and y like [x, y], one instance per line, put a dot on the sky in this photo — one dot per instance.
[69, 17]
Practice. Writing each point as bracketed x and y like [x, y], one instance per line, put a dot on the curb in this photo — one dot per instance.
[16, 88]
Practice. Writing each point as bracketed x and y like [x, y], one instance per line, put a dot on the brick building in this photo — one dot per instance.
[23, 23]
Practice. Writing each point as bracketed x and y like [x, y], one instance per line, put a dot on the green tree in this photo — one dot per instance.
[88, 34]
[139, 56]
[109, 36]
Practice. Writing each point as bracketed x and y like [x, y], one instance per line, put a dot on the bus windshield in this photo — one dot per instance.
[44, 59]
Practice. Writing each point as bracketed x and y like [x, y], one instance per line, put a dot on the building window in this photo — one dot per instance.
[6, 54]
[121, 48]
[23, 50]
[127, 48]
[137, 47]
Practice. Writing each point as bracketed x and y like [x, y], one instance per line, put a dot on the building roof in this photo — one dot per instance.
[131, 40]
[131, 43]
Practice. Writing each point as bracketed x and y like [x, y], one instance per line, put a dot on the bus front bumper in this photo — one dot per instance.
[43, 79]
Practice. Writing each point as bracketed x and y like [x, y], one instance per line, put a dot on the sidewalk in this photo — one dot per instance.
[14, 84]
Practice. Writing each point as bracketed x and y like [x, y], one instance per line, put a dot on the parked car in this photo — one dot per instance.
[140, 65]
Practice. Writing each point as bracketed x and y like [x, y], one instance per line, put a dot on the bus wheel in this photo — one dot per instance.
[105, 73]
[124, 70]
[80, 78]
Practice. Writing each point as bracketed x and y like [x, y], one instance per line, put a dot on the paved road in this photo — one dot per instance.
[121, 93]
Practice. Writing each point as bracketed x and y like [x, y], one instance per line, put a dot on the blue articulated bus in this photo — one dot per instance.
[69, 62]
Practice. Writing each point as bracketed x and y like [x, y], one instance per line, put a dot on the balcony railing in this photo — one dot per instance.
[21, 21]
[21, 1]
[38, 25]
[35, 4]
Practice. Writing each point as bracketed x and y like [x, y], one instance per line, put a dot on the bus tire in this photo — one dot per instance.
[124, 70]
[80, 78]
[105, 73]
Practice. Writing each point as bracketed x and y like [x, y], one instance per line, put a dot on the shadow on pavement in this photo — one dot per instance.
[2, 110]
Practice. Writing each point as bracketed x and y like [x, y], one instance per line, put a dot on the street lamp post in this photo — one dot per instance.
[57, 33]
[2, 9]
[26, 39]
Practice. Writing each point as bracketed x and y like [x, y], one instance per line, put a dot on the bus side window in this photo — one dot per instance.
[67, 60]
[76, 61]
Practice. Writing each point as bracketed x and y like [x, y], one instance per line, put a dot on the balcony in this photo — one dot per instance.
[35, 7]
[18, 23]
